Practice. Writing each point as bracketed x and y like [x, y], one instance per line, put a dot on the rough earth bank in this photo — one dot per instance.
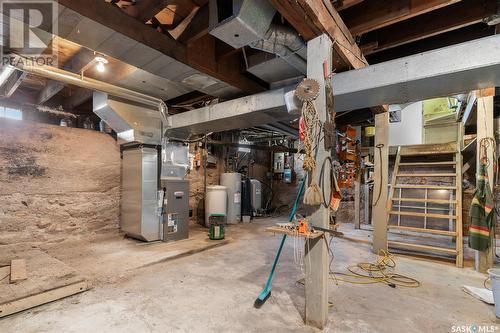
[56, 182]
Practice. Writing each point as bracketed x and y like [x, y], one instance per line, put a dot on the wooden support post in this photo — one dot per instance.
[381, 176]
[357, 201]
[485, 259]
[366, 189]
[316, 251]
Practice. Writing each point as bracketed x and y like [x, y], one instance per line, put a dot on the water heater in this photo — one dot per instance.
[232, 181]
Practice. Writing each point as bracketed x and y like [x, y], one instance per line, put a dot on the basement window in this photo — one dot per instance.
[10, 113]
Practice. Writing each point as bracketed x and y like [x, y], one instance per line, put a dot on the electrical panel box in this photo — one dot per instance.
[279, 162]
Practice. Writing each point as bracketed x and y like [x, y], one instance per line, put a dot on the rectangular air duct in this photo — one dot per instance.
[133, 122]
[240, 22]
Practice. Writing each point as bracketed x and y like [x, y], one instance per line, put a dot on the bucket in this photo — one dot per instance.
[216, 232]
[494, 274]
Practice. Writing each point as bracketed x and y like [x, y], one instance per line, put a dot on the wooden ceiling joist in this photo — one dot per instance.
[198, 27]
[462, 14]
[322, 17]
[373, 14]
[344, 4]
[457, 36]
[149, 8]
[311, 18]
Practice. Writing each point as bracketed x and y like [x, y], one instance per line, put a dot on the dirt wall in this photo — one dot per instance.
[56, 182]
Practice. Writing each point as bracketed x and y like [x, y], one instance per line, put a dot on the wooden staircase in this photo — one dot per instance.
[425, 199]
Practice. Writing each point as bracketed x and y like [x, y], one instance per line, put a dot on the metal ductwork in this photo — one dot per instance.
[286, 44]
[67, 77]
[240, 22]
[249, 22]
[133, 122]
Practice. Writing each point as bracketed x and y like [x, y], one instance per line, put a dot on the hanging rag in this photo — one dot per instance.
[482, 215]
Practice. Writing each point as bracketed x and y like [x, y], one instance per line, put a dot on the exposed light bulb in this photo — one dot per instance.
[100, 67]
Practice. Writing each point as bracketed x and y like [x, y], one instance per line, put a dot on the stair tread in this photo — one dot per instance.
[429, 152]
[438, 216]
[417, 186]
[427, 163]
[422, 247]
[438, 201]
[426, 175]
[422, 230]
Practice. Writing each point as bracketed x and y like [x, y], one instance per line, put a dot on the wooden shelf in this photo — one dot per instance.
[422, 247]
[436, 216]
[283, 231]
[421, 230]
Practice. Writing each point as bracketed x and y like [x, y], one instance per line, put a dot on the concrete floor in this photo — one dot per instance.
[214, 291]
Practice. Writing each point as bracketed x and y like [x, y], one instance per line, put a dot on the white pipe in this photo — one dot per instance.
[61, 75]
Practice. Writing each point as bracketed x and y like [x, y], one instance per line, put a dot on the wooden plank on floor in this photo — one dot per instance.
[18, 270]
[31, 301]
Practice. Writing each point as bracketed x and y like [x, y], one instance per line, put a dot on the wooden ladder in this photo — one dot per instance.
[421, 158]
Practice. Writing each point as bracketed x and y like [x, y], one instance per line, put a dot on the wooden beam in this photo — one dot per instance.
[18, 271]
[462, 14]
[344, 4]
[31, 301]
[458, 36]
[316, 250]
[357, 203]
[311, 18]
[290, 10]
[198, 27]
[484, 260]
[372, 15]
[149, 8]
[328, 21]
[321, 16]
[195, 56]
[381, 173]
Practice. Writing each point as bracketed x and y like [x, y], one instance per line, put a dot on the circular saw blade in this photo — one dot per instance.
[307, 90]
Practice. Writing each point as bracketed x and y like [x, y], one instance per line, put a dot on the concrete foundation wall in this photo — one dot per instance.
[56, 182]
